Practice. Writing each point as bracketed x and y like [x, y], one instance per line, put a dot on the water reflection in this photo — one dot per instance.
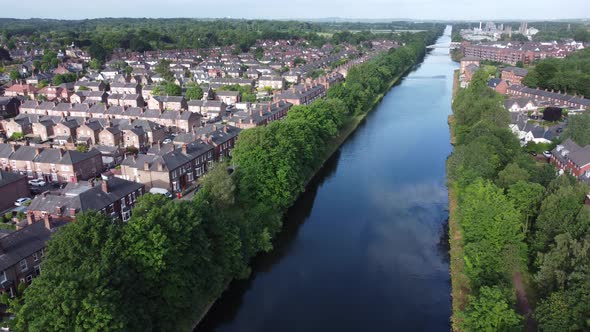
[227, 307]
[364, 249]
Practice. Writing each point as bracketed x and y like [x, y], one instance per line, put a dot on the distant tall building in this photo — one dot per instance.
[508, 31]
[523, 28]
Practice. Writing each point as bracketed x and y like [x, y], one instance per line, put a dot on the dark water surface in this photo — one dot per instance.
[364, 248]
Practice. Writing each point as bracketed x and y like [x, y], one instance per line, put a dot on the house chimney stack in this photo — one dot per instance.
[146, 166]
[185, 148]
[105, 185]
[47, 222]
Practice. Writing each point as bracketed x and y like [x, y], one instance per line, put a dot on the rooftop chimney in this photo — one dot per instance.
[47, 222]
[184, 148]
[105, 185]
[146, 166]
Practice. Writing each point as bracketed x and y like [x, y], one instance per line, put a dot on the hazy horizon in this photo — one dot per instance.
[417, 10]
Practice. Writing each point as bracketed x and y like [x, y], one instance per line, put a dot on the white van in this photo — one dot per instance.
[161, 191]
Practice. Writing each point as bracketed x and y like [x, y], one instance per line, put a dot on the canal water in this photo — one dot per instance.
[365, 247]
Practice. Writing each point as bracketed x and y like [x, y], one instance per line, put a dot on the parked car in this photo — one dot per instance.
[21, 201]
[547, 154]
[161, 191]
[37, 183]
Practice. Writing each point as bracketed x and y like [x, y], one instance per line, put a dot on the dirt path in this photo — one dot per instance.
[522, 303]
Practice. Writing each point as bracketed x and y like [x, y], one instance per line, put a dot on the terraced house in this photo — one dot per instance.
[21, 253]
[550, 97]
[111, 196]
[169, 166]
[49, 164]
[571, 158]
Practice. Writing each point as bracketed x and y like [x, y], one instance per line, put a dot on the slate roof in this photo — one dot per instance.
[82, 196]
[7, 178]
[23, 243]
[551, 95]
[517, 71]
[521, 102]
[43, 155]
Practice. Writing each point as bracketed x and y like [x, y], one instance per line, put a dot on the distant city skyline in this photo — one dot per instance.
[303, 9]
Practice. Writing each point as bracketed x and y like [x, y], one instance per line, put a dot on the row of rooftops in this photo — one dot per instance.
[570, 151]
[44, 155]
[185, 148]
[66, 109]
[565, 98]
[84, 195]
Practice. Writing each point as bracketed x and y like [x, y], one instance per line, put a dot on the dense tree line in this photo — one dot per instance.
[517, 217]
[172, 258]
[571, 75]
[499, 190]
[101, 36]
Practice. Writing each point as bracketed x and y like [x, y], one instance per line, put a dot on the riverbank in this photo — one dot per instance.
[459, 281]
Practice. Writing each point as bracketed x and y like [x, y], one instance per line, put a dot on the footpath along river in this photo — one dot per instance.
[365, 247]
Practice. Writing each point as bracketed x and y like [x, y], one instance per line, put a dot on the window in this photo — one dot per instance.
[37, 270]
[123, 202]
[29, 278]
[3, 277]
[23, 265]
[126, 215]
[35, 257]
[133, 196]
[190, 177]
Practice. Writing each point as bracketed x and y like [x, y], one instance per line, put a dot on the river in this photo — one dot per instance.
[365, 247]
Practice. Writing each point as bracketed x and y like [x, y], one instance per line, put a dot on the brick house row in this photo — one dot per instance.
[111, 196]
[178, 165]
[514, 75]
[259, 115]
[571, 158]
[302, 94]
[555, 98]
[168, 166]
[52, 165]
[21, 253]
[182, 120]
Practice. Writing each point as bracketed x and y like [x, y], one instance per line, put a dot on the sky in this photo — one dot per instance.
[302, 9]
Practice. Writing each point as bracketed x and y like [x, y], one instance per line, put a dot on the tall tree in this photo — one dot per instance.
[84, 282]
[490, 311]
